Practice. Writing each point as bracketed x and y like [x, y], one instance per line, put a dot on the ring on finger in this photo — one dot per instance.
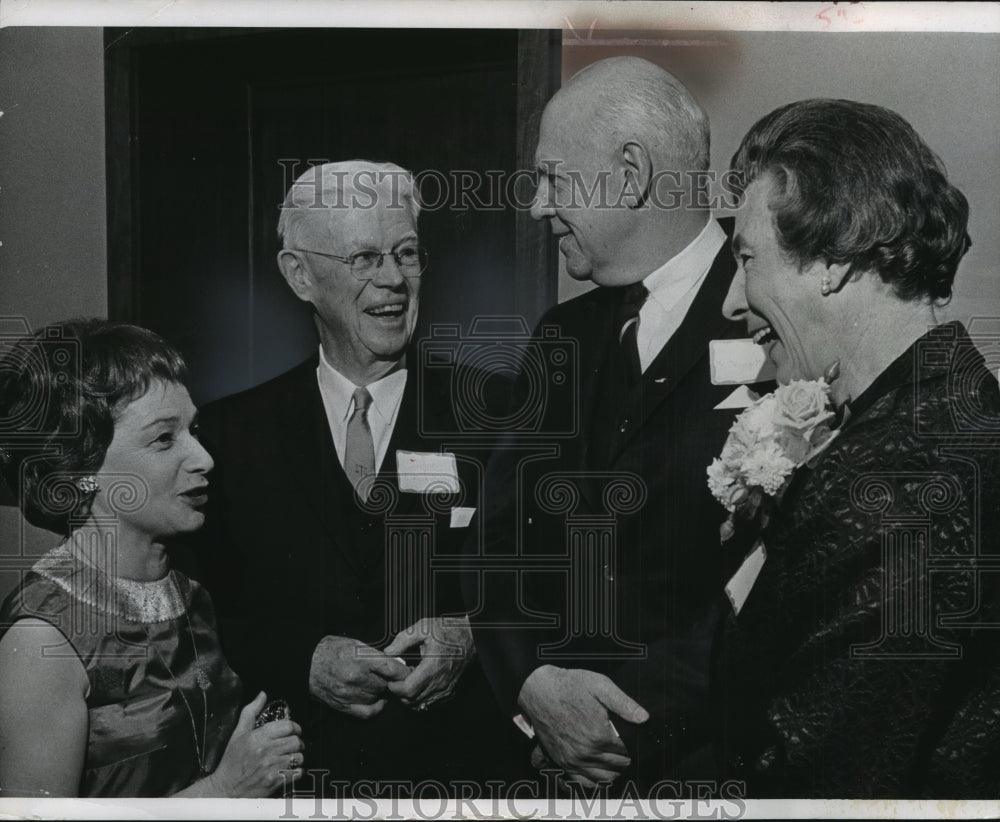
[293, 762]
[422, 706]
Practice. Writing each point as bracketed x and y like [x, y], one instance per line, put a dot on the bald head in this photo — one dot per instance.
[628, 98]
[617, 143]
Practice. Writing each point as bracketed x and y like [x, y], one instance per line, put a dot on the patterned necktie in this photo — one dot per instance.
[627, 322]
[359, 454]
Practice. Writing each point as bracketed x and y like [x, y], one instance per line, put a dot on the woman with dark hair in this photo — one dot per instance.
[112, 682]
[865, 659]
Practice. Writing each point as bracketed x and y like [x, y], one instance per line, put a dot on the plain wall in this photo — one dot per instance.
[945, 85]
[53, 260]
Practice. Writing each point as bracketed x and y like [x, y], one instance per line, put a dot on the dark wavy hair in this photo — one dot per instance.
[61, 391]
[857, 185]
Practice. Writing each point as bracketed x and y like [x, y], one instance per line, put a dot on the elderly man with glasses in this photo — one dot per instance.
[337, 494]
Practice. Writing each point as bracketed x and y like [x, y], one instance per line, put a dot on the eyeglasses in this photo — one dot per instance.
[365, 265]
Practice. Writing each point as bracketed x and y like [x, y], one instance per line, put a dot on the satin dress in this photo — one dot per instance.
[162, 701]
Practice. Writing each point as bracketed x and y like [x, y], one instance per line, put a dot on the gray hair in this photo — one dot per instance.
[332, 188]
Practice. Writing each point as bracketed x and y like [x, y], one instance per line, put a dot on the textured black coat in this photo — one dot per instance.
[866, 660]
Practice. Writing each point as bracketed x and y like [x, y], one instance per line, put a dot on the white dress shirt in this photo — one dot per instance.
[672, 289]
[338, 399]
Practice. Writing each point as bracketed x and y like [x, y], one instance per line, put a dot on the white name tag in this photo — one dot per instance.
[421, 472]
[735, 362]
[461, 517]
[738, 588]
[524, 726]
[742, 397]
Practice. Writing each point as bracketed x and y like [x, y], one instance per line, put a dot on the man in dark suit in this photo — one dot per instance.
[600, 639]
[337, 500]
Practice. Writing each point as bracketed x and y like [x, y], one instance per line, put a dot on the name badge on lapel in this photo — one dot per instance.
[461, 517]
[736, 362]
[738, 588]
[422, 472]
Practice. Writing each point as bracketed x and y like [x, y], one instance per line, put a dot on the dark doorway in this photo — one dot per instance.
[206, 129]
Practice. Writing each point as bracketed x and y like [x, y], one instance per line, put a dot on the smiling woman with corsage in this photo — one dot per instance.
[112, 683]
[861, 658]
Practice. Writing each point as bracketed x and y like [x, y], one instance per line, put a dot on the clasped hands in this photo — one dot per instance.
[572, 711]
[358, 680]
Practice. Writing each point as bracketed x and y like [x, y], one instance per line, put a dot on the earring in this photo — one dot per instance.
[824, 285]
[87, 484]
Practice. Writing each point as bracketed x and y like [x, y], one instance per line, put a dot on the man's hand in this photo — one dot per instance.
[352, 677]
[446, 648]
[571, 711]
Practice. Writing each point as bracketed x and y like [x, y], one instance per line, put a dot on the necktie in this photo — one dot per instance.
[359, 454]
[628, 324]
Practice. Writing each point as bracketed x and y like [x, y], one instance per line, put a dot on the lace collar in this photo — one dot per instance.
[129, 599]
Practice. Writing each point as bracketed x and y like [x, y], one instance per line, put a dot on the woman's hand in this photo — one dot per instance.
[258, 761]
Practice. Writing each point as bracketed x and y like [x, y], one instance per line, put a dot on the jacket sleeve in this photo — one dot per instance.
[500, 605]
[269, 647]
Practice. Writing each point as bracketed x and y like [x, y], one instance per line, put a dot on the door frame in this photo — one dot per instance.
[539, 54]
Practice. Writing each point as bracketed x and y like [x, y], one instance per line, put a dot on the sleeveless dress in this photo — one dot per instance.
[162, 699]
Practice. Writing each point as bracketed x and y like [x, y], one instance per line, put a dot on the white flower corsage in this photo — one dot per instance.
[767, 442]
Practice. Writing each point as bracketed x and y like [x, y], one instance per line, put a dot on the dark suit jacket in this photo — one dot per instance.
[613, 533]
[291, 557]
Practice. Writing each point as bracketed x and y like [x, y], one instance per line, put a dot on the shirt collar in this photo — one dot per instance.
[681, 272]
[386, 392]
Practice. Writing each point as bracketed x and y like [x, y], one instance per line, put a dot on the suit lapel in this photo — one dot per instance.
[405, 436]
[703, 322]
[313, 467]
[595, 346]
